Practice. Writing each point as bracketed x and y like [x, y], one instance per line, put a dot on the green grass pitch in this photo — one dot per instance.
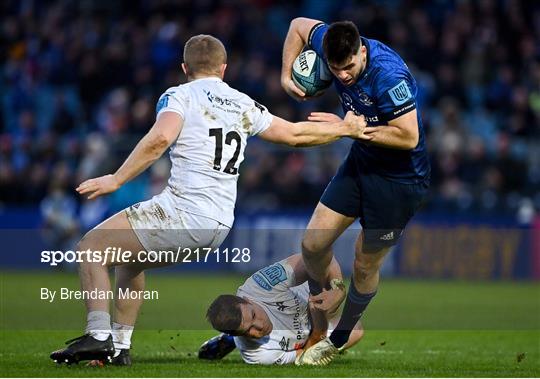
[413, 329]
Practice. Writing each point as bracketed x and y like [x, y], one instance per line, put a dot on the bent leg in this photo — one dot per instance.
[323, 229]
[339, 206]
[386, 209]
[115, 232]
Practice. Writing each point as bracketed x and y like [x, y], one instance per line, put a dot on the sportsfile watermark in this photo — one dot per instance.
[117, 255]
[48, 295]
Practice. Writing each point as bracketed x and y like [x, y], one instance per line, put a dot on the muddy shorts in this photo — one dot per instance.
[159, 225]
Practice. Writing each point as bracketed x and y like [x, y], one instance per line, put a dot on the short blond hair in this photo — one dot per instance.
[204, 54]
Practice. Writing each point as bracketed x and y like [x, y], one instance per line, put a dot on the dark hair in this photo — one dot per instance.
[341, 41]
[204, 54]
[225, 314]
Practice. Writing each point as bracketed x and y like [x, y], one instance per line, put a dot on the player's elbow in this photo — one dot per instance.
[409, 138]
[411, 142]
[299, 26]
[297, 22]
[158, 144]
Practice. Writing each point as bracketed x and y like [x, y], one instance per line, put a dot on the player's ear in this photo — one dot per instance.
[185, 69]
[222, 70]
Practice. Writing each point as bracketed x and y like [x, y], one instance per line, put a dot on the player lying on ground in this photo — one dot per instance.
[271, 319]
[385, 177]
[208, 124]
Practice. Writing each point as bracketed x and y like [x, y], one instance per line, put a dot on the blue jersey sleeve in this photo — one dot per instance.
[315, 39]
[173, 100]
[396, 94]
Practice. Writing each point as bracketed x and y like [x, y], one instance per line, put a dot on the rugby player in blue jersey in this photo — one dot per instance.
[385, 176]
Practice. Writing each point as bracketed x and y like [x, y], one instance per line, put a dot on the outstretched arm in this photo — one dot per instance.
[401, 133]
[308, 133]
[152, 146]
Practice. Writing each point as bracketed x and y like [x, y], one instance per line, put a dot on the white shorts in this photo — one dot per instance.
[159, 225]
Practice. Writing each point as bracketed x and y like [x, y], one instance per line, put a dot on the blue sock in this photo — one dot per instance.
[355, 305]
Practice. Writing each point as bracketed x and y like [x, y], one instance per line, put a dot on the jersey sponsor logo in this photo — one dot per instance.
[400, 93]
[348, 103]
[387, 237]
[404, 109]
[297, 323]
[162, 103]
[372, 118]
[214, 99]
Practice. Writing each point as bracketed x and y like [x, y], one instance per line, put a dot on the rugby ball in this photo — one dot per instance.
[310, 73]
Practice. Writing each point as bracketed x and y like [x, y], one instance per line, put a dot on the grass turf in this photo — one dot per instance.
[414, 328]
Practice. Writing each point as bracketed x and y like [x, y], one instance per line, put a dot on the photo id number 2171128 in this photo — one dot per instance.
[207, 255]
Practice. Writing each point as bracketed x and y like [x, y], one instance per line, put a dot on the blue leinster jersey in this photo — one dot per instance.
[384, 90]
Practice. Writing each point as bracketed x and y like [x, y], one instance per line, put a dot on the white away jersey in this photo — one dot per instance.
[287, 308]
[208, 152]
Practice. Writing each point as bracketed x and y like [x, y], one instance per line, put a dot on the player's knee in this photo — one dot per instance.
[85, 244]
[89, 243]
[313, 248]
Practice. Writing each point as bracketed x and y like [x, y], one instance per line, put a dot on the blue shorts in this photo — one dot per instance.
[383, 206]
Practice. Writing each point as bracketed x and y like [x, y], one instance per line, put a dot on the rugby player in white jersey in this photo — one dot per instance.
[206, 123]
[271, 320]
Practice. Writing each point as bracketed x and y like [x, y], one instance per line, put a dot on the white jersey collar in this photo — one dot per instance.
[207, 78]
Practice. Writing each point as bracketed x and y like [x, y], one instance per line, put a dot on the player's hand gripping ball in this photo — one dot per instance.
[311, 74]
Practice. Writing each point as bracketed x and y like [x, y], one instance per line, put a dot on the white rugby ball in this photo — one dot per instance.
[310, 73]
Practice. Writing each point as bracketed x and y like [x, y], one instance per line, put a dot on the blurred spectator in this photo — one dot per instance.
[58, 210]
[80, 81]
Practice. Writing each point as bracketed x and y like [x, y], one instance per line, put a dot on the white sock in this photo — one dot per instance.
[98, 325]
[121, 336]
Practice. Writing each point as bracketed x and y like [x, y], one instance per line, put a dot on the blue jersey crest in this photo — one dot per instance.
[270, 276]
[400, 93]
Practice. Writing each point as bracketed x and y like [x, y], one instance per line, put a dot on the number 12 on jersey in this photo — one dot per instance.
[229, 138]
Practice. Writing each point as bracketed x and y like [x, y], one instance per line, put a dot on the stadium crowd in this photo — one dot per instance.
[80, 80]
